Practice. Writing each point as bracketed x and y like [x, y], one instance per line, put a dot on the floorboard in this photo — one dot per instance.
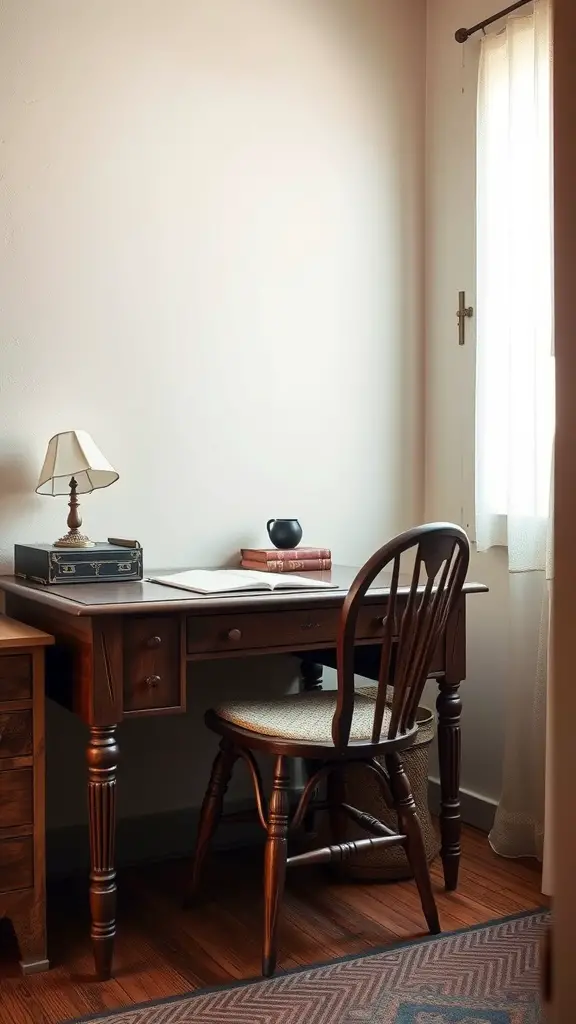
[162, 950]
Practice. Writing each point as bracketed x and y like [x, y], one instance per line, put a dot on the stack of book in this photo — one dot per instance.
[296, 560]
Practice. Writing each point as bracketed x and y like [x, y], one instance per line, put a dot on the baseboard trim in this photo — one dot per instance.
[476, 810]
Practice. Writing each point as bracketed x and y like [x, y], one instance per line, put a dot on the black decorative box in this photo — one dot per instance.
[105, 563]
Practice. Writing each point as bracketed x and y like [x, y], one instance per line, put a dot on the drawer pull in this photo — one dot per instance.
[310, 625]
[153, 681]
[235, 634]
[154, 641]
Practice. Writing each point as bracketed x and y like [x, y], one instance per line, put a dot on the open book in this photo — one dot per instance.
[229, 581]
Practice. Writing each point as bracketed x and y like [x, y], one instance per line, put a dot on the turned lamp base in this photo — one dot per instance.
[74, 539]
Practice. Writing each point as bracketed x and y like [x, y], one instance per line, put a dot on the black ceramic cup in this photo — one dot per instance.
[284, 533]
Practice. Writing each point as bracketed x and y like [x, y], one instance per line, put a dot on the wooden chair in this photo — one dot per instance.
[332, 728]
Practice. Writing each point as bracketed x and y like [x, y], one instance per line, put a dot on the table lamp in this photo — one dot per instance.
[74, 464]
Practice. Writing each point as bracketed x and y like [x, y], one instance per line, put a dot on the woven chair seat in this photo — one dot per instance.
[302, 716]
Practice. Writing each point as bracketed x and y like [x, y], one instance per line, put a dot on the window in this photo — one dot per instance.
[515, 366]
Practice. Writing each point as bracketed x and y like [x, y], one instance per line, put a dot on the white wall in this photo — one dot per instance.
[211, 222]
[450, 266]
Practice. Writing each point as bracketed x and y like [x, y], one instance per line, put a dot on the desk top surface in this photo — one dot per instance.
[146, 597]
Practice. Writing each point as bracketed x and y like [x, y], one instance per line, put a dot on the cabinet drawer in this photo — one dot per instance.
[15, 735]
[16, 799]
[152, 678]
[16, 864]
[15, 677]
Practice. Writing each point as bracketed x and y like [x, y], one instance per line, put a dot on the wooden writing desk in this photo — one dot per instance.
[122, 650]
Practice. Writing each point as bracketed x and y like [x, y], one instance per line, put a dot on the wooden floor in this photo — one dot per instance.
[162, 950]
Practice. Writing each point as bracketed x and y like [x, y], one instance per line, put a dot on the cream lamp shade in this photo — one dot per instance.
[74, 454]
[74, 465]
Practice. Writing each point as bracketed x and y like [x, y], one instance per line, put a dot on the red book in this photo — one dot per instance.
[275, 555]
[289, 565]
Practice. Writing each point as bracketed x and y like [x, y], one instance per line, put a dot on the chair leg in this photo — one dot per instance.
[211, 811]
[415, 851]
[310, 767]
[275, 857]
[336, 795]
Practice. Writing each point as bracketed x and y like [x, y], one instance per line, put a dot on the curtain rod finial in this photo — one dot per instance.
[461, 35]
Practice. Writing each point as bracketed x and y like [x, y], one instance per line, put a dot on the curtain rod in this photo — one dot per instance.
[464, 33]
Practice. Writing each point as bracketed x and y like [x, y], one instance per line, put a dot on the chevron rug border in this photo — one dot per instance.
[492, 966]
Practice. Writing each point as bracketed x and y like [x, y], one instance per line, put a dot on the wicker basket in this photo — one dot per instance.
[361, 790]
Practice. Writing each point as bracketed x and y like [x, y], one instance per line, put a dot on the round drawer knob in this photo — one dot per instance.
[235, 634]
[153, 681]
[155, 641]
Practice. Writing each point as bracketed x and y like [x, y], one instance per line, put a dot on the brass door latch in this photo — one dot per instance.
[463, 313]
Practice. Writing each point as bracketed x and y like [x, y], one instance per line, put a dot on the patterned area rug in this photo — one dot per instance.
[484, 975]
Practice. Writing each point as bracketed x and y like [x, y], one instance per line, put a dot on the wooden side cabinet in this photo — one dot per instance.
[22, 785]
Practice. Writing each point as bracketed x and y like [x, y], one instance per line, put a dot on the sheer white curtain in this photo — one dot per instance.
[515, 387]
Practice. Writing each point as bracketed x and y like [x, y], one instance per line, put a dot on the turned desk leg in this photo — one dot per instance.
[449, 705]
[102, 755]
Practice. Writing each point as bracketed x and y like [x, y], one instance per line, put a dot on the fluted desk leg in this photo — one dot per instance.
[102, 757]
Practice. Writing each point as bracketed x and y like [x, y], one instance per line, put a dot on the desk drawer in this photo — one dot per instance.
[15, 677]
[370, 624]
[152, 678]
[15, 735]
[16, 864]
[245, 631]
[16, 798]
